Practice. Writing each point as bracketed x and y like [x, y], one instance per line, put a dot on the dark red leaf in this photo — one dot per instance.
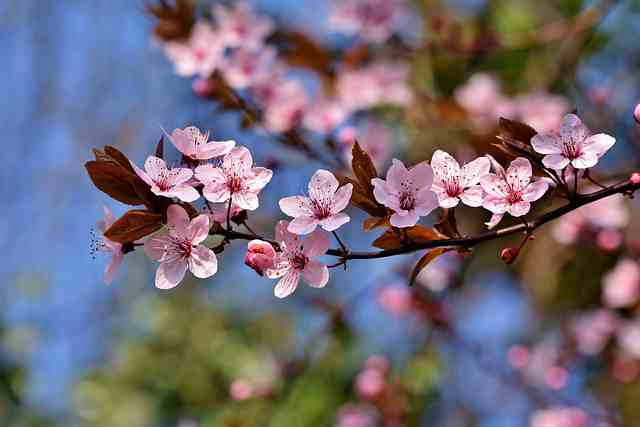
[134, 225]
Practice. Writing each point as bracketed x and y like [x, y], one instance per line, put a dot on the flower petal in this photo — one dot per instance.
[396, 175]
[260, 178]
[519, 173]
[495, 219]
[555, 161]
[496, 205]
[214, 149]
[598, 144]
[473, 196]
[155, 246]
[209, 174]
[445, 166]
[322, 183]
[472, 171]
[402, 221]
[290, 240]
[573, 129]
[170, 274]
[198, 229]
[316, 244]
[586, 160]
[494, 185]
[316, 274]
[421, 175]
[185, 192]
[295, 206]
[335, 221]
[203, 262]
[177, 219]
[547, 144]
[216, 192]
[239, 158]
[519, 208]
[426, 201]
[287, 284]
[247, 200]
[302, 225]
[154, 166]
[142, 174]
[447, 201]
[179, 176]
[342, 198]
[535, 191]
[112, 267]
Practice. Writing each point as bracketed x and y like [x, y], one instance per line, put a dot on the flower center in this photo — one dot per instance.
[200, 55]
[298, 261]
[407, 201]
[321, 207]
[452, 187]
[514, 197]
[163, 180]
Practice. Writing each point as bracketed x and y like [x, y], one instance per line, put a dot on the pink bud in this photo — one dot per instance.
[609, 240]
[370, 384]
[635, 178]
[378, 363]
[203, 87]
[260, 256]
[636, 113]
[518, 356]
[240, 390]
[509, 255]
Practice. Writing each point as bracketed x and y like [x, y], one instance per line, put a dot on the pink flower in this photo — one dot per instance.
[370, 383]
[236, 179]
[407, 191]
[621, 286]
[593, 329]
[195, 144]
[298, 258]
[240, 26]
[325, 115]
[373, 20]
[374, 138]
[629, 338]
[106, 245]
[357, 416]
[482, 98]
[397, 300]
[574, 145]
[244, 68]
[199, 55]
[167, 182]
[284, 102]
[260, 256]
[241, 390]
[559, 417]
[219, 213]
[376, 84]
[453, 184]
[178, 248]
[512, 190]
[542, 111]
[323, 207]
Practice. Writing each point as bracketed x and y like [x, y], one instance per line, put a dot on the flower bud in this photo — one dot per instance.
[635, 178]
[509, 255]
[260, 256]
[636, 113]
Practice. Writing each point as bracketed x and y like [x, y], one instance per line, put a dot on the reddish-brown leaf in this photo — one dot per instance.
[363, 168]
[114, 180]
[160, 148]
[174, 22]
[394, 238]
[134, 225]
[375, 222]
[425, 260]
[299, 50]
[117, 156]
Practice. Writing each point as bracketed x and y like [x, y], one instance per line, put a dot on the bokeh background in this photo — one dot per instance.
[78, 74]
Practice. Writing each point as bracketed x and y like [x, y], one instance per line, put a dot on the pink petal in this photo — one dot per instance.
[142, 174]
[322, 182]
[426, 201]
[497, 167]
[198, 229]
[535, 190]
[519, 209]
[396, 175]
[546, 144]
[342, 198]
[402, 221]
[170, 274]
[283, 235]
[421, 175]
[261, 177]
[316, 244]
[519, 173]
[586, 160]
[109, 219]
[287, 285]
[179, 176]
[494, 185]
[216, 192]
[573, 129]
[496, 205]
[295, 206]
[335, 221]
[598, 144]
[316, 274]
[154, 166]
[185, 192]
[156, 245]
[183, 141]
[447, 201]
[203, 262]
[239, 156]
[473, 196]
[444, 165]
[495, 219]
[208, 174]
[246, 200]
[112, 267]
[214, 149]
[555, 161]
[302, 225]
[381, 192]
[472, 171]
[178, 219]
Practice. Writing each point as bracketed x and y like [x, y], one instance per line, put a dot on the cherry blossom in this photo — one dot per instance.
[323, 207]
[195, 144]
[178, 248]
[407, 191]
[106, 245]
[167, 182]
[559, 417]
[629, 338]
[244, 68]
[376, 84]
[235, 179]
[240, 26]
[512, 190]
[573, 145]
[219, 212]
[453, 184]
[284, 103]
[298, 258]
[199, 55]
[441, 273]
[593, 329]
[482, 98]
[352, 415]
[374, 138]
[325, 115]
[621, 286]
[542, 111]
[395, 299]
[260, 256]
[373, 20]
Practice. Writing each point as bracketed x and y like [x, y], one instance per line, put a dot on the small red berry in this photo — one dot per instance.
[509, 255]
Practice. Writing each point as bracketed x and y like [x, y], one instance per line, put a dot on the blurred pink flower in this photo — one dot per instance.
[167, 182]
[236, 179]
[284, 103]
[195, 144]
[106, 245]
[621, 286]
[240, 26]
[376, 84]
[260, 256]
[629, 338]
[592, 330]
[325, 115]
[373, 20]
[454, 184]
[407, 191]
[377, 362]
[298, 258]
[518, 356]
[244, 68]
[357, 416]
[573, 145]
[482, 98]
[199, 55]
[241, 390]
[542, 111]
[323, 207]
[370, 383]
[512, 190]
[609, 240]
[395, 299]
[559, 417]
[441, 272]
[374, 138]
[178, 248]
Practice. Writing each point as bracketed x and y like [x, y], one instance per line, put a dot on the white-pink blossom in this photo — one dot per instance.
[453, 183]
[178, 248]
[593, 329]
[107, 245]
[243, 67]
[199, 55]
[629, 338]
[323, 207]
[235, 179]
[511, 191]
[167, 182]
[621, 286]
[195, 144]
[325, 115]
[559, 417]
[357, 416]
[374, 138]
[284, 103]
[484, 102]
[541, 110]
[407, 192]
[298, 258]
[373, 20]
[260, 256]
[240, 26]
[219, 212]
[573, 145]
[375, 84]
